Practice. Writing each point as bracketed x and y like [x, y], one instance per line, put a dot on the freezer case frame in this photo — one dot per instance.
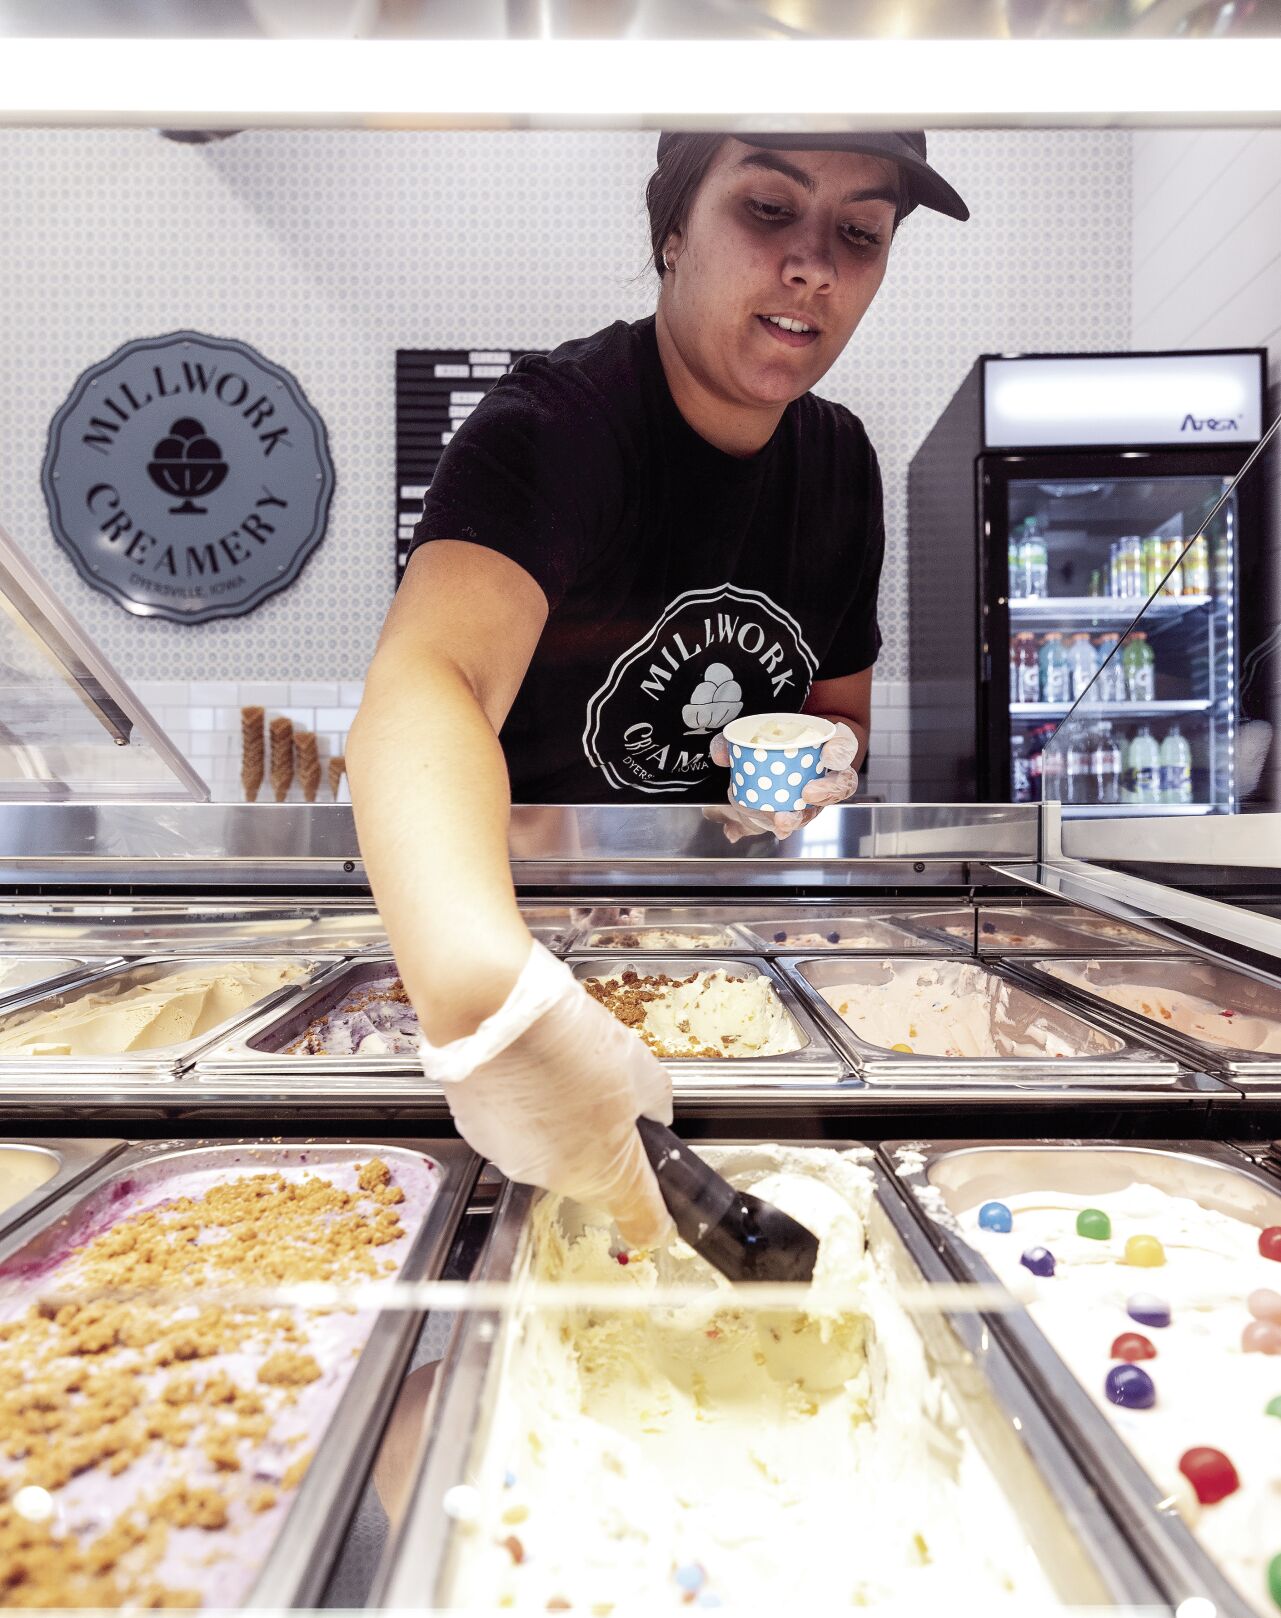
[300, 1559]
[1131, 1069]
[1256, 1070]
[419, 1556]
[1182, 1567]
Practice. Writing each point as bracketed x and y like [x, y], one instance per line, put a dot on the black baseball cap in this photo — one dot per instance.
[921, 183]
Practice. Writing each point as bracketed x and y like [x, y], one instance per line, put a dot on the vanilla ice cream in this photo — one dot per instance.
[1209, 1390]
[662, 938]
[21, 971]
[1210, 1021]
[950, 1009]
[783, 730]
[123, 1014]
[697, 1455]
[23, 1171]
[706, 1015]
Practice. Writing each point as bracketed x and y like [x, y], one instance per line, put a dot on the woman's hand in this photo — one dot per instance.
[839, 783]
[549, 1089]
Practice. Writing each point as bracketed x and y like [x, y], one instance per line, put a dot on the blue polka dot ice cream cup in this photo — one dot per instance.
[773, 757]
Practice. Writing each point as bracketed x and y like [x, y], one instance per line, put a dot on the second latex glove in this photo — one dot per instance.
[838, 783]
[549, 1089]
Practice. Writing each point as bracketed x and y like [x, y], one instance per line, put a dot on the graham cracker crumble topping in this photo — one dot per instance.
[103, 1385]
[628, 998]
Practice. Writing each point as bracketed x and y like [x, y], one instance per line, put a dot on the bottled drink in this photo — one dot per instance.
[1105, 765]
[1172, 567]
[1129, 568]
[1082, 664]
[1176, 768]
[1036, 561]
[1020, 770]
[1035, 758]
[1196, 568]
[1056, 681]
[1078, 783]
[1140, 668]
[1114, 568]
[1110, 685]
[1143, 768]
[1223, 565]
[1052, 772]
[1015, 591]
[1025, 669]
[1096, 583]
[1153, 563]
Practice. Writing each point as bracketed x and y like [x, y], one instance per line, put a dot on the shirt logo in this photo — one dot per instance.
[712, 655]
[188, 477]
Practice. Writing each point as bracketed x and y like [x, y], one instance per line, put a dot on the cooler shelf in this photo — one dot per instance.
[1110, 610]
[1110, 710]
[1110, 811]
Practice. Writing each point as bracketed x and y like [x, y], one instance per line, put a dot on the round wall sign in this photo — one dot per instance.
[188, 477]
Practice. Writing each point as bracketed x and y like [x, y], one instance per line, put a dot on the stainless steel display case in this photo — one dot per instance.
[1087, 1558]
[159, 1065]
[1229, 987]
[944, 1176]
[45, 973]
[849, 931]
[298, 1562]
[67, 1163]
[147, 926]
[1103, 1054]
[813, 1063]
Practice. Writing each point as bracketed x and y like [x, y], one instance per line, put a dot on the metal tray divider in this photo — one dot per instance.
[1176, 1560]
[1148, 1067]
[77, 1159]
[298, 1564]
[418, 1557]
[1224, 1062]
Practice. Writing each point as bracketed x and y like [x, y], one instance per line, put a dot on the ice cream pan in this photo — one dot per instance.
[662, 930]
[290, 1558]
[552, 925]
[262, 1046]
[1167, 997]
[1054, 929]
[849, 931]
[948, 1177]
[813, 1058]
[161, 1063]
[22, 975]
[1076, 1542]
[146, 928]
[1037, 1042]
[33, 1171]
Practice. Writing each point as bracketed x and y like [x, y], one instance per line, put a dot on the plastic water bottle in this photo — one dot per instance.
[1110, 685]
[1105, 765]
[1139, 664]
[1078, 785]
[1082, 664]
[1176, 767]
[1025, 668]
[1143, 769]
[1020, 771]
[1036, 561]
[1056, 679]
[1016, 590]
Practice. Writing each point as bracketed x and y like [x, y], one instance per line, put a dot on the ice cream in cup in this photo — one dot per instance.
[772, 756]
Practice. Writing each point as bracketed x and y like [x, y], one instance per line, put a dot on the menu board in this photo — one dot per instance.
[436, 390]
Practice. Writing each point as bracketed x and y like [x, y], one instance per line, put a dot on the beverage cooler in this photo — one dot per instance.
[1057, 498]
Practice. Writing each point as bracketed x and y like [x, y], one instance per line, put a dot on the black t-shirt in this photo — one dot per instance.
[685, 585]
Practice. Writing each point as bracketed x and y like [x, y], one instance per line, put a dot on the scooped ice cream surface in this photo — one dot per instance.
[374, 1020]
[1186, 1013]
[706, 1015]
[680, 1457]
[800, 731]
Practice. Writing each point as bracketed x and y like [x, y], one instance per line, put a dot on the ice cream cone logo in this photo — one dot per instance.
[717, 699]
[187, 463]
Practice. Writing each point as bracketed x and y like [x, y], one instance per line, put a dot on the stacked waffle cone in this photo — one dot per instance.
[282, 756]
[251, 752]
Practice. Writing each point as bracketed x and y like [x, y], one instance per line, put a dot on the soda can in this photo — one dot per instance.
[1153, 563]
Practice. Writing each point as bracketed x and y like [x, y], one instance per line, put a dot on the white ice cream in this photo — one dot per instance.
[667, 1458]
[952, 1009]
[774, 730]
[1208, 1390]
[707, 1014]
[662, 938]
[1210, 1021]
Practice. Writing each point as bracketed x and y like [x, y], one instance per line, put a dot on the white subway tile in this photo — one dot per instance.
[210, 693]
[264, 693]
[301, 718]
[200, 719]
[313, 693]
[334, 719]
[351, 693]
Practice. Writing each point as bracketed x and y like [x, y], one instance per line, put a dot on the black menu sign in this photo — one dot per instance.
[436, 390]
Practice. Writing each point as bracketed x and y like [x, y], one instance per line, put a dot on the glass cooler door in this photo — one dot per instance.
[1084, 557]
[70, 728]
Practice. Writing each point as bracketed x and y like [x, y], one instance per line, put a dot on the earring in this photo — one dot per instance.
[667, 263]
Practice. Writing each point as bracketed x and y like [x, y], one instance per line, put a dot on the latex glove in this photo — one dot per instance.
[839, 783]
[549, 1089]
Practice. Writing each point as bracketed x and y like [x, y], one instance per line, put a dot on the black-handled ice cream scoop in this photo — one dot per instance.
[743, 1237]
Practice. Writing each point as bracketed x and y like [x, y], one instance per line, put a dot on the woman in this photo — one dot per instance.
[629, 542]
